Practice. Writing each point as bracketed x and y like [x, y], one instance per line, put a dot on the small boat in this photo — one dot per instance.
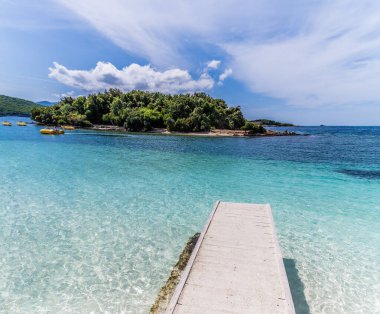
[67, 127]
[21, 123]
[6, 123]
[52, 131]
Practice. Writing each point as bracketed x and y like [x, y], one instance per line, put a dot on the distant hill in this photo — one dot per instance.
[46, 103]
[12, 106]
[271, 122]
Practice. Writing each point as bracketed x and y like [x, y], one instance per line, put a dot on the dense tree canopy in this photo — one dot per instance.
[142, 111]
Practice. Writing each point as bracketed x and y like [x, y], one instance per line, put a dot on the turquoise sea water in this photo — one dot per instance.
[93, 222]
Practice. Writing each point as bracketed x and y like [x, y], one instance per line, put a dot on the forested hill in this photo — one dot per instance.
[142, 111]
[12, 106]
[267, 122]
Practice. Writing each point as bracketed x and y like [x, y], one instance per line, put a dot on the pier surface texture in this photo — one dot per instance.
[236, 266]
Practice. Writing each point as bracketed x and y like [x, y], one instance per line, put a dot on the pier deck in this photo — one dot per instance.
[236, 266]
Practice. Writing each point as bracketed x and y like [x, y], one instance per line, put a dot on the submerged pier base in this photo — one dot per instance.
[166, 292]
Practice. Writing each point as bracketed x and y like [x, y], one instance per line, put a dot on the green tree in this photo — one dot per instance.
[139, 111]
[253, 128]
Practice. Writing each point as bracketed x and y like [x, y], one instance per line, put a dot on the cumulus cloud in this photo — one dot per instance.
[66, 94]
[226, 73]
[213, 64]
[105, 75]
[309, 53]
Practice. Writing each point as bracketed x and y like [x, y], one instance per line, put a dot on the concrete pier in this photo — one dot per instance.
[236, 265]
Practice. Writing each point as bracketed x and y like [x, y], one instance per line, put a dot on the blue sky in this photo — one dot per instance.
[312, 63]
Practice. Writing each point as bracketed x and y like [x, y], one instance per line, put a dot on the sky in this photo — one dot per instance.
[307, 62]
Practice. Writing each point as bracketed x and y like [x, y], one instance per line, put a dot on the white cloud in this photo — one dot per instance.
[213, 64]
[334, 60]
[226, 73]
[308, 53]
[66, 94]
[164, 31]
[105, 75]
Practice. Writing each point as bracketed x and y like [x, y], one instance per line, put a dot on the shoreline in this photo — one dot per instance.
[211, 133]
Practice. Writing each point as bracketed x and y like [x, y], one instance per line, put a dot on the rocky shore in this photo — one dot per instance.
[213, 132]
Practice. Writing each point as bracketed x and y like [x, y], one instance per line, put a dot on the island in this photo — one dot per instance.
[141, 111]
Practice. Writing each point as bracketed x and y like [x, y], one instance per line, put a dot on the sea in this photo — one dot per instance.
[92, 222]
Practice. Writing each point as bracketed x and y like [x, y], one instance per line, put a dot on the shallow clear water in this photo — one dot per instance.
[94, 221]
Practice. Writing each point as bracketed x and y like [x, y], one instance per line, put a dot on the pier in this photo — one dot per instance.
[236, 265]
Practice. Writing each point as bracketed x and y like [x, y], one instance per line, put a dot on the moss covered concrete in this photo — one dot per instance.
[167, 290]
